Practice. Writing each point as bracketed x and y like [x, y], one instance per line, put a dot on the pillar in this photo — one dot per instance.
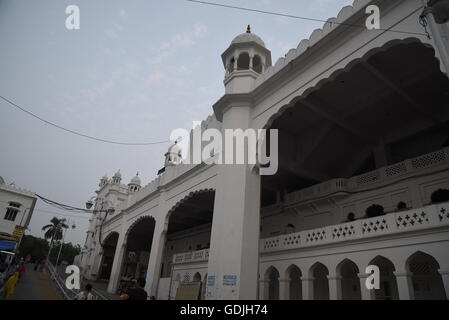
[117, 264]
[264, 286]
[234, 255]
[334, 287]
[307, 288]
[440, 46]
[405, 285]
[284, 289]
[445, 277]
[366, 293]
[157, 248]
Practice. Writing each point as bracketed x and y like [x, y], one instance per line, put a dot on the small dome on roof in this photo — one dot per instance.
[248, 37]
[136, 180]
[118, 175]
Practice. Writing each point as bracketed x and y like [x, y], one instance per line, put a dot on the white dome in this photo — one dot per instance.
[136, 180]
[105, 177]
[248, 37]
[118, 175]
[174, 149]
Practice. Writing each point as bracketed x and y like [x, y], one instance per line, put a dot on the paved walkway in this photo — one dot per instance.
[35, 285]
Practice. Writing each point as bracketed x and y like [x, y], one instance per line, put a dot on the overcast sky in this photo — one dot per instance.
[136, 70]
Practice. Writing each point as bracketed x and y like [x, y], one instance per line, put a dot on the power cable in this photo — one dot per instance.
[298, 17]
[79, 133]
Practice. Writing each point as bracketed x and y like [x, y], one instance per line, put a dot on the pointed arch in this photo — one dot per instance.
[388, 283]
[426, 279]
[294, 274]
[348, 271]
[319, 273]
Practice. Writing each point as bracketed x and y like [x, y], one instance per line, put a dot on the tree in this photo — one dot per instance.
[54, 230]
[38, 248]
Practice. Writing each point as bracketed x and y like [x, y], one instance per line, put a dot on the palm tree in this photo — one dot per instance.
[53, 231]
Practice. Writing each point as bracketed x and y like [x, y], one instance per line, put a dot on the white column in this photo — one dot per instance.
[445, 277]
[263, 289]
[437, 38]
[334, 287]
[405, 285]
[307, 288]
[156, 256]
[236, 222]
[117, 264]
[157, 248]
[365, 292]
[284, 289]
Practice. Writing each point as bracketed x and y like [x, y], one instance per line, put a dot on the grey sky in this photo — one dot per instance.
[134, 72]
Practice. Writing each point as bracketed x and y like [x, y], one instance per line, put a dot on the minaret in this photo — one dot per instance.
[244, 60]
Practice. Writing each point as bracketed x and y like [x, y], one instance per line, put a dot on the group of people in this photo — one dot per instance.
[136, 292]
[9, 280]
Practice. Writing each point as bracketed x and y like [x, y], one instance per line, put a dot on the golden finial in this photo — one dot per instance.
[248, 30]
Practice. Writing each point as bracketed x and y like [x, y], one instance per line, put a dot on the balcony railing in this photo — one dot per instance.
[190, 257]
[437, 160]
[433, 216]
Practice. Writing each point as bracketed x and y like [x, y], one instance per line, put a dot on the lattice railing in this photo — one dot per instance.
[424, 218]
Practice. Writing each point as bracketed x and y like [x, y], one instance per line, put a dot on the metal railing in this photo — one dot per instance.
[66, 293]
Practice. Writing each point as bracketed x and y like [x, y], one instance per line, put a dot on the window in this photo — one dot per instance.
[11, 214]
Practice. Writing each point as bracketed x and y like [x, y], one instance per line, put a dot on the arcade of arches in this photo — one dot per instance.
[423, 273]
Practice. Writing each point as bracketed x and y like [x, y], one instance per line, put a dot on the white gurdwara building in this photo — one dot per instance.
[363, 174]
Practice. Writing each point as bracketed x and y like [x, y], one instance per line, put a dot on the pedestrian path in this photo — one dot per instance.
[35, 285]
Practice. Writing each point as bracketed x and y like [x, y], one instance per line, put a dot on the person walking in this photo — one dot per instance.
[10, 286]
[85, 294]
[21, 269]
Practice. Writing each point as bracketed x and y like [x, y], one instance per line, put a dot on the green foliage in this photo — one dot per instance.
[55, 229]
[37, 248]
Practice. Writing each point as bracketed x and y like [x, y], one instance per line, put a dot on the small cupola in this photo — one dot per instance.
[135, 184]
[117, 178]
[103, 181]
[173, 157]
[244, 60]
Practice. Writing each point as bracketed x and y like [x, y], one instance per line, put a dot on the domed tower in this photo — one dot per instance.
[117, 178]
[103, 181]
[244, 60]
[135, 184]
[173, 156]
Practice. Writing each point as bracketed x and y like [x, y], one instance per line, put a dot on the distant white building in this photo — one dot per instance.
[363, 174]
[16, 209]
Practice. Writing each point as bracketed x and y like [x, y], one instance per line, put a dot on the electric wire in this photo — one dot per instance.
[13, 104]
[300, 17]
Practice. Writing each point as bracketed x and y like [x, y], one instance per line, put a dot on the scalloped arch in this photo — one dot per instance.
[110, 235]
[345, 69]
[184, 200]
[135, 223]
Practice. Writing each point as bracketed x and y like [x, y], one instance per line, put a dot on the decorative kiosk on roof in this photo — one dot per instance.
[244, 60]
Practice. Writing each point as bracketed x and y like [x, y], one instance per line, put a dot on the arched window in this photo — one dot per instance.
[231, 65]
[257, 64]
[427, 281]
[243, 62]
[350, 282]
[295, 285]
[319, 274]
[273, 284]
[388, 284]
[12, 210]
